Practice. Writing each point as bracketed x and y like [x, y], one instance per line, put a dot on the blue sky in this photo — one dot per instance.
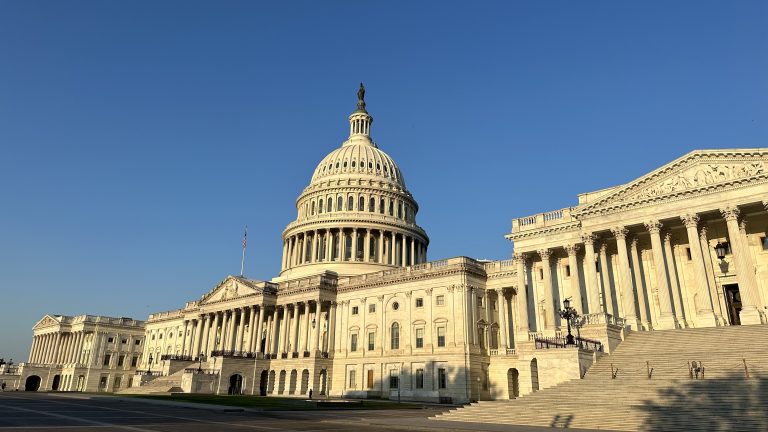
[138, 138]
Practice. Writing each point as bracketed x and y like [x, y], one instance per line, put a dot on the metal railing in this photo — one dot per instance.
[177, 357]
[561, 342]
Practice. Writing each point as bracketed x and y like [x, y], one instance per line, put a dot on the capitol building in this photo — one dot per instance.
[359, 310]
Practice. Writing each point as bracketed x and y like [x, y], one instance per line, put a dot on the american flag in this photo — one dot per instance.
[245, 238]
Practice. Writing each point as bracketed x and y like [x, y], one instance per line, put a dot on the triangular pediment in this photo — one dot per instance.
[46, 321]
[231, 288]
[699, 170]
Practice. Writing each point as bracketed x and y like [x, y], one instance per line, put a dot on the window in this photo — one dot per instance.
[361, 204]
[419, 338]
[354, 310]
[381, 206]
[106, 359]
[371, 341]
[480, 301]
[727, 248]
[124, 341]
[395, 306]
[400, 210]
[320, 206]
[350, 204]
[688, 253]
[393, 379]
[137, 342]
[339, 203]
[391, 208]
[371, 204]
[419, 302]
[330, 205]
[597, 267]
[395, 336]
[541, 274]
[313, 207]
[567, 271]
[372, 308]
[440, 300]
[120, 360]
[419, 378]
[441, 336]
[441, 378]
[110, 340]
[352, 379]
[353, 343]
[764, 242]
[134, 361]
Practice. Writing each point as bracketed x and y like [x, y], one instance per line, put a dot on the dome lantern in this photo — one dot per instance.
[360, 121]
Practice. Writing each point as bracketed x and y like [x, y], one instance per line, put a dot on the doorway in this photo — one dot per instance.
[56, 382]
[370, 378]
[534, 375]
[263, 383]
[32, 383]
[513, 383]
[733, 303]
[235, 384]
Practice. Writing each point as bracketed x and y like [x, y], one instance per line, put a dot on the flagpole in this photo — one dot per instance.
[245, 243]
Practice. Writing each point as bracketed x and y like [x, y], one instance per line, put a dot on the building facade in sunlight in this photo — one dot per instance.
[358, 310]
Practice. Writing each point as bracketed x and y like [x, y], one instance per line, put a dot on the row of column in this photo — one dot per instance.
[628, 284]
[57, 348]
[506, 338]
[365, 245]
[260, 329]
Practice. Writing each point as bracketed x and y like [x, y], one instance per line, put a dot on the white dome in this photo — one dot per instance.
[358, 158]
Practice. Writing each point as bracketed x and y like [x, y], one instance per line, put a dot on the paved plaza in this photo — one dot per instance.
[76, 412]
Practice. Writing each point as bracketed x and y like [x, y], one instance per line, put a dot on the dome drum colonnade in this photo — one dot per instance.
[356, 210]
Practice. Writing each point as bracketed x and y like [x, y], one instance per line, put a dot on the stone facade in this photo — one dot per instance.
[358, 311]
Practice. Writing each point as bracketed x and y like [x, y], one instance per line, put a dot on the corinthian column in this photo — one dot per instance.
[549, 299]
[573, 264]
[605, 274]
[625, 280]
[705, 316]
[522, 297]
[667, 316]
[590, 274]
[749, 297]
[637, 272]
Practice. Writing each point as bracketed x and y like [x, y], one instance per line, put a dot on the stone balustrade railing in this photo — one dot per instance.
[541, 220]
[396, 272]
[599, 318]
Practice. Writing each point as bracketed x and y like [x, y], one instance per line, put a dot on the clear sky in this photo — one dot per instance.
[137, 138]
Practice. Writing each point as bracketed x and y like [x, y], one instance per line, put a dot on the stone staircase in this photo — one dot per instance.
[722, 399]
[160, 385]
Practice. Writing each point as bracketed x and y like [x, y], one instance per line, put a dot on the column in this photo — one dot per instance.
[412, 261]
[204, 336]
[213, 345]
[504, 333]
[332, 323]
[305, 330]
[625, 280]
[749, 296]
[295, 332]
[259, 331]
[315, 328]
[706, 251]
[404, 252]
[284, 335]
[381, 247]
[393, 254]
[367, 246]
[606, 277]
[251, 329]
[55, 356]
[33, 349]
[590, 274]
[225, 330]
[240, 331]
[573, 264]
[198, 333]
[522, 296]
[549, 301]
[184, 345]
[473, 316]
[354, 245]
[283, 265]
[673, 285]
[638, 276]
[328, 243]
[667, 316]
[316, 246]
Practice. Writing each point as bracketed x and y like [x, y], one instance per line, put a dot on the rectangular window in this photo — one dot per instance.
[394, 379]
[479, 301]
[124, 341]
[353, 344]
[441, 336]
[134, 361]
[764, 242]
[372, 308]
[419, 378]
[441, 378]
[352, 379]
[371, 341]
[106, 360]
[110, 340]
[354, 310]
[138, 342]
[120, 360]
[419, 338]
[440, 300]
[567, 271]
[419, 302]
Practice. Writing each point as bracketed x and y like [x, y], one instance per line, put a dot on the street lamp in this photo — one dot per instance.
[200, 359]
[568, 313]
[149, 370]
[720, 251]
[313, 323]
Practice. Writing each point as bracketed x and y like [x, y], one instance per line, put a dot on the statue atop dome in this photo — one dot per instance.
[361, 98]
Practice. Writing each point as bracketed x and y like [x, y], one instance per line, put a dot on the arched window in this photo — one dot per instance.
[361, 204]
[313, 207]
[330, 204]
[372, 204]
[391, 208]
[400, 210]
[405, 212]
[320, 207]
[395, 336]
[339, 203]
[350, 203]
[381, 206]
[353, 164]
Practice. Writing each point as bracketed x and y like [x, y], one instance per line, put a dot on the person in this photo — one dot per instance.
[310, 393]
[2, 387]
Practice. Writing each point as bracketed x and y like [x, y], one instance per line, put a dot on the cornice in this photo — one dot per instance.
[554, 229]
[370, 223]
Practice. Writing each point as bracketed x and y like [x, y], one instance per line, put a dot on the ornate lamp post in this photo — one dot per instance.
[149, 370]
[720, 251]
[568, 313]
[200, 360]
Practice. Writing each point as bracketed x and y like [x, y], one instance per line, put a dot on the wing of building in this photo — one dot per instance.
[357, 310]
